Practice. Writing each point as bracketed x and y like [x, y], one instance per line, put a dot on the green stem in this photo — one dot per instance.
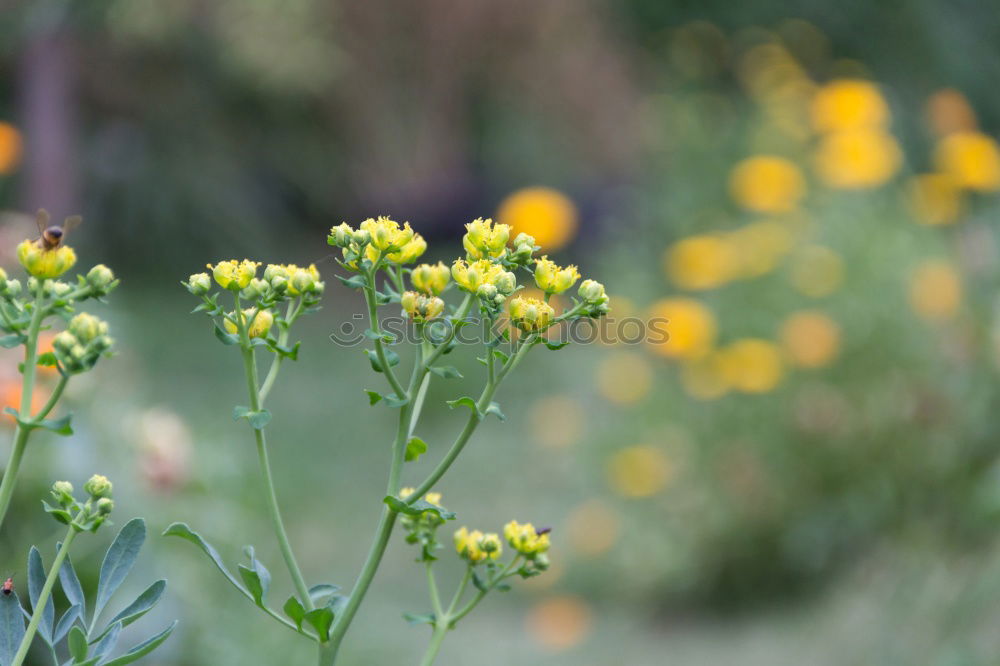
[13, 467]
[463, 311]
[250, 370]
[272, 373]
[43, 598]
[53, 399]
[437, 638]
[369, 290]
[432, 586]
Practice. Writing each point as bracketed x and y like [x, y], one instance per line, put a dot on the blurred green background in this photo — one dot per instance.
[806, 472]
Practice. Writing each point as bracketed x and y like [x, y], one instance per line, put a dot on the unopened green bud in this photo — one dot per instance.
[506, 282]
[62, 491]
[256, 289]
[86, 327]
[487, 291]
[592, 291]
[64, 341]
[542, 562]
[199, 284]
[100, 277]
[341, 235]
[361, 237]
[104, 506]
[60, 288]
[13, 288]
[98, 487]
[102, 343]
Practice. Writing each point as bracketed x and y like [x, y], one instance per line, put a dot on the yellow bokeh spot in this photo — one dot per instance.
[559, 623]
[593, 528]
[935, 199]
[971, 158]
[624, 377]
[701, 262]
[690, 327]
[10, 148]
[542, 212]
[817, 271]
[857, 159]
[767, 184]
[706, 378]
[639, 471]
[759, 246]
[849, 104]
[810, 339]
[935, 290]
[949, 111]
[557, 421]
[752, 365]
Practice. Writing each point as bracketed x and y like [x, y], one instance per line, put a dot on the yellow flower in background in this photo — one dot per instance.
[557, 421]
[857, 159]
[767, 184]
[593, 528]
[624, 377]
[541, 212]
[639, 471]
[849, 104]
[816, 271]
[935, 199]
[971, 158]
[10, 148]
[705, 378]
[935, 290]
[690, 326]
[559, 623]
[949, 111]
[701, 262]
[752, 365]
[45, 264]
[810, 339]
[760, 246]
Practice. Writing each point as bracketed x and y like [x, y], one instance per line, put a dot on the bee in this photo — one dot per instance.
[8, 586]
[51, 235]
[543, 530]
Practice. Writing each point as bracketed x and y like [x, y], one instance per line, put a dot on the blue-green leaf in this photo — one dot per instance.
[256, 577]
[60, 426]
[494, 409]
[11, 627]
[108, 641]
[446, 371]
[555, 346]
[183, 531]
[394, 401]
[227, 339]
[65, 624]
[391, 357]
[258, 420]
[142, 605]
[119, 560]
[78, 644]
[415, 619]
[11, 341]
[321, 593]
[142, 649]
[36, 581]
[71, 585]
[354, 282]
[465, 401]
[418, 507]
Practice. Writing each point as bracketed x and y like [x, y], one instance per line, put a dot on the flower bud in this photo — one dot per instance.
[592, 291]
[199, 284]
[419, 306]
[302, 280]
[469, 545]
[362, 237]
[506, 283]
[102, 344]
[341, 235]
[525, 539]
[85, 327]
[60, 289]
[100, 277]
[64, 342]
[487, 292]
[104, 506]
[62, 491]
[260, 324]
[257, 288]
[430, 279]
[491, 545]
[98, 487]
[3, 275]
[10, 288]
[234, 274]
[45, 264]
[542, 562]
[530, 314]
[471, 276]
[485, 240]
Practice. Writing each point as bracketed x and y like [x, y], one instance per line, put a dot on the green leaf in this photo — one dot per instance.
[71, 586]
[119, 560]
[142, 605]
[321, 619]
[500, 355]
[227, 339]
[47, 360]
[391, 357]
[415, 448]
[256, 577]
[108, 641]
[417, 508]
[257, 420]
[465, 401]
[65, 623]
[446, 371]
[78, 644]
[183, 531]
[494, 409]
[295, 610]
[142, 649]
[322, 593]
[36, 581]
[285, 351]
[60, 514]
[58, 426]
[477, 581]
[555, 346]
[393, 401]
[379, 335]
[415, 619]
[354, 282]
[373, 397]
[11, 626]
[11, 341]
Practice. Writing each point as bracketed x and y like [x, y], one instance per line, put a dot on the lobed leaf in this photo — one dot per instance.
[118, 561]
[11, 626]
[183, 531]
[36, 581]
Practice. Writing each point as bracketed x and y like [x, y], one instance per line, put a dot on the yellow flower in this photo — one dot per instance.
[530, 314]
[525, 539]
[386, 234]
[420, 306]
[541, 212]
[261, 323]
[935, 290]
[234, 274]
[485, 240]
[857, 159]
[701, 262]
[45, 264]
[553, 279]
[849, 104]
[473, 546]
[935, 199]
[752, 365]
[810, 339]
[407, 254]
[972, 159]
[690, 328]
[472, 276]
[10, 148]
[639, 471]
[430, 279]
[767, 184]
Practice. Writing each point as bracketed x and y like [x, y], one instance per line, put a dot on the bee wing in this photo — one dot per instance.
[71, 223]
[42, 218]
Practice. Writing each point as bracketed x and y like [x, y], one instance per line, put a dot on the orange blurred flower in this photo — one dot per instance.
[10, 148]
[767, 184]
[701, 262]
[752, 365]
[971, 158]
[560, 623]
[811, 339]
[949, 111]
[690, 325]
[639, 471]
[542, 212]
[849, 104]
[857, 159]
[935, 290]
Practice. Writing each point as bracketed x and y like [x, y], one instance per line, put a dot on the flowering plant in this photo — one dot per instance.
[377, 253]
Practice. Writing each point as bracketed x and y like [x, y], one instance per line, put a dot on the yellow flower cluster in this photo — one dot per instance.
[295, 279]
[377, 239]
[234, 274]
[485, 240]
[525, 539]
[477, 547]
[530, 314]
[260, 322]
[553, 279]
[474, 275]
[430, 279]
[420, 306]
[45, 264]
